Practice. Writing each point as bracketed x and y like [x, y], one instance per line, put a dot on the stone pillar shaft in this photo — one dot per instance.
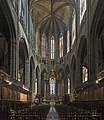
[13, 59]
[44, 90]
[27, 73]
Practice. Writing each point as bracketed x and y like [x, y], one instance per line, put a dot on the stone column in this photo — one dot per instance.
[57, 47]
[13, 59]
[96, 57]
[17, 59]
[48, 91]
[27, 73]
[58, 89]
[65, 84]
[91, 47]
[34, 80]
[39, 83]
[33, 84]
[63, 87]
[93, 59]
[71, 82]
[45, 89]
[78, 72]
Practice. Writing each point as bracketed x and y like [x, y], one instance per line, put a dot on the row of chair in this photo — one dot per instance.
[71, 112]
[38, 112]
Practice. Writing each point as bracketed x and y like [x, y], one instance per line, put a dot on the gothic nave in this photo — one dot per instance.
[51, 59]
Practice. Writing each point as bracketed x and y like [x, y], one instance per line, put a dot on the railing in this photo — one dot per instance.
[6, 79]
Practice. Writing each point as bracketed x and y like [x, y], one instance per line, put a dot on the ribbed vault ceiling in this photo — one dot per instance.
[51, 16]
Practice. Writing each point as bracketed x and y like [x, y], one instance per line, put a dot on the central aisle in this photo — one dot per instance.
[52, 115]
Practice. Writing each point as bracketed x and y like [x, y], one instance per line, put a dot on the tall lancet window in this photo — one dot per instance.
[73, 34]
[43, 46]
[61, 45]
[52, 47]
[68, 41]
[82, 9]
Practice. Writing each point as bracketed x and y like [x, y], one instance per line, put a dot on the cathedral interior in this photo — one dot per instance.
[51, 59]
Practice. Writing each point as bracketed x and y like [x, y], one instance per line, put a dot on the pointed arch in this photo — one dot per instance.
[7, 38]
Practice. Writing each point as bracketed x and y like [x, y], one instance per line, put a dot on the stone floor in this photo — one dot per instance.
[52, 115]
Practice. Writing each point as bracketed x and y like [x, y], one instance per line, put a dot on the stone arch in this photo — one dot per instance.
[7, 21]
[7, 39]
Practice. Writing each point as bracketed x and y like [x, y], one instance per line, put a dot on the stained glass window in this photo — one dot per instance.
[23, 13]
[68, 41]
[82, 9]
[37, 37]
[73, 28]
[61, 45]
[43, 46]
[21, 8]
[52, 47]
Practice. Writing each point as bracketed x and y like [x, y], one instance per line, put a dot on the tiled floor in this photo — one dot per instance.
[52, 115]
